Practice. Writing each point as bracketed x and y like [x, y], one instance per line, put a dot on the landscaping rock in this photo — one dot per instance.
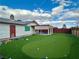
[1, 57]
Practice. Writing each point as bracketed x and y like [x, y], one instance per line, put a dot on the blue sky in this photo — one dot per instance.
[34, 4]
[29, 4]
[51, 10]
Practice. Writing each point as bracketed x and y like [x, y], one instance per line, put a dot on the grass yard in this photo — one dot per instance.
[56, 46]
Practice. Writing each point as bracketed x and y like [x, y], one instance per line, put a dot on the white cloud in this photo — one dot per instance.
[3, 7]
[72, 14]
[24, 14]
[69, 14]
[65, 2]
[38, 14]
[5, 11]
[57, 10]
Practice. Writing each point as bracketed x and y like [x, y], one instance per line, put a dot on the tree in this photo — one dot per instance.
[77, 22]
[64, 25]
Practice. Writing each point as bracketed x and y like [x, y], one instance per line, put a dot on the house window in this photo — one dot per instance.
[27, 28]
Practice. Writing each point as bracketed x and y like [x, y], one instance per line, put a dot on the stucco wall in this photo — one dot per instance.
[4, 31]
[41, 27]
[20, 30]
[51, 30]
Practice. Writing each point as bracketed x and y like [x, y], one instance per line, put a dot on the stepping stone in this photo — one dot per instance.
[10, 58]
[65, 55]
[37, 49]
[27, 39]
[46, 57]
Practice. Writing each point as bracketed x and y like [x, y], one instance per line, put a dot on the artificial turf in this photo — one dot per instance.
[56, 46]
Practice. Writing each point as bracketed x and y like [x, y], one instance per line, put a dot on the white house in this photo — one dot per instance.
[44, 29]
[9, 28]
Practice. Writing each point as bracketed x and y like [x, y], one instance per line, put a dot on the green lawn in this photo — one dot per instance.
[56, 46]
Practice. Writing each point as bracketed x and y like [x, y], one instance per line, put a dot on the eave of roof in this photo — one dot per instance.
[8, 21]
